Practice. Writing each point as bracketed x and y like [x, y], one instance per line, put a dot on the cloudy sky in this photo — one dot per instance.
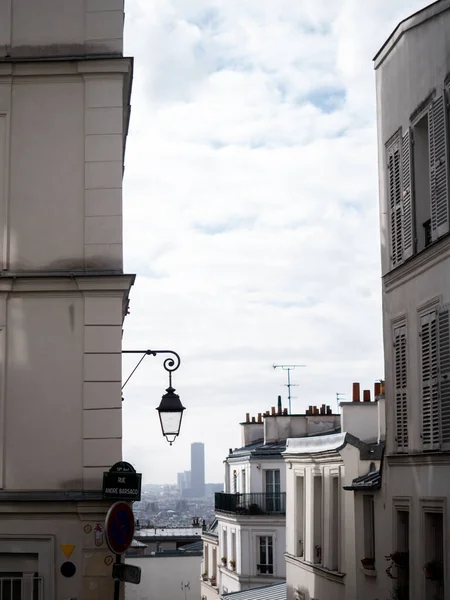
[250, 203]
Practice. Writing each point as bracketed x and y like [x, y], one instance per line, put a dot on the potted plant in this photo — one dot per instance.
[232, 564]
[397, 559]
[434, 570]
[212, 580]
[368, 563]
[224, 560]
[204, 576]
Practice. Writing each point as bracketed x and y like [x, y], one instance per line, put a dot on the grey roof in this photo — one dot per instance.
[275, 591]
[194, 547]
[369, 481]
[259, 448]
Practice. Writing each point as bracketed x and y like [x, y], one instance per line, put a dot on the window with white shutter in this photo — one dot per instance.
[401, 395]
[395, 202]
[438, 168]
[407, 197]
[429, 381]
[444, 373]
[421, 171]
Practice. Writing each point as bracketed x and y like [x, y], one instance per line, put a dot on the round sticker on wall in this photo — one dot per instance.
[68, 569]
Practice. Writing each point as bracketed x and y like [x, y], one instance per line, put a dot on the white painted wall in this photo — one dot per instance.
[162, 577]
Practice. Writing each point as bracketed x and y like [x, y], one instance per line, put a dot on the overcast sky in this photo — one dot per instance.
[250, 212]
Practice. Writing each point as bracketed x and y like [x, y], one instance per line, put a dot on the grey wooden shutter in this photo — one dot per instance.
[395, 202]
[444, 373]
[401, 396]
[407, 197]
[429, 376]
[438, 168]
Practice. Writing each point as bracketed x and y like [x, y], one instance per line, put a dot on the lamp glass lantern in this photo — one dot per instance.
[170, 413]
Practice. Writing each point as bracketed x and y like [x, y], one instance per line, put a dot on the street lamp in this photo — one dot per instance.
[170, 409]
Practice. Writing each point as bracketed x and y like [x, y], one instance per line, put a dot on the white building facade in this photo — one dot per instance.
[329, 527]
[210, 562]
[64, 106]
[251, 512]
[413, 86]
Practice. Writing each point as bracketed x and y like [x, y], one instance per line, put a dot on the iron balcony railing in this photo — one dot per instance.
[21, 588]
[251, 504]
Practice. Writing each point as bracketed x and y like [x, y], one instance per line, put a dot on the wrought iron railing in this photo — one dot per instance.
[251, 504]
[21, 588]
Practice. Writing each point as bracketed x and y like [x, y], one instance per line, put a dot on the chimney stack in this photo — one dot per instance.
[322, 409]
[280, 410]
[253, 420]
[259, 418]
[247, 417]
[377, 389]
[366, 395]
[273, 410]
[329, 411]
[356, 396]
[285, 411]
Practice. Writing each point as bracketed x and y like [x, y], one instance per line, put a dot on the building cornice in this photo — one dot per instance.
[255, 520]
[417, 264]
[11, 283]
[76, 65]
[414, 20]
[311, 568]
[418, 459]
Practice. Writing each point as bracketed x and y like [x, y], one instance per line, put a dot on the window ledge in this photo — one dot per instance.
[335, 576]
[369, 572]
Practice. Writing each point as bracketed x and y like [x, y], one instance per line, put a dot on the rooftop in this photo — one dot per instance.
[276, 591]
[154, 532]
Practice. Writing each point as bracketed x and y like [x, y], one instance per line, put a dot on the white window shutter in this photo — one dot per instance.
[429, 377]
[438, 168]
[401, 384]
[444, 372]
[395, 202]
[407, 197]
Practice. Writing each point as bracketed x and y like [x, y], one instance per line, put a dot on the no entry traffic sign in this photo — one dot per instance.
[119, 527]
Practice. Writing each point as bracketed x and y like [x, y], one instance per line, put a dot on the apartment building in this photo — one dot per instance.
[64, 108]
[413, 86]
[210, 572]
[251, 512]
[330, 485]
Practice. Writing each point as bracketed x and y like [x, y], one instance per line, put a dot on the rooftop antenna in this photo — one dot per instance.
[288, 368]
[339, 399]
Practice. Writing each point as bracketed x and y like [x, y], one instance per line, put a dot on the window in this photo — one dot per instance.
[401, 399]
[317, 499]
[369, 527]
[233, 547]
[429, 374]
[403, 546]
[300, 515]
[244, 482]
[265, 566]
[20, 586]
[435, 374]
[273, 491]
[417, 182]
[334, 546]
[206, 559]
[434, 554]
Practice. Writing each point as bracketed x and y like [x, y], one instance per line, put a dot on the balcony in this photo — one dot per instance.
[21, 588]
[251, 504]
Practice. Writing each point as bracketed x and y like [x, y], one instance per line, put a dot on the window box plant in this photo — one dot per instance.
[434, 570]
[368, 563]
[204, 576]
[224, 560]
[212, 580]
[399, 560]
[232, 564]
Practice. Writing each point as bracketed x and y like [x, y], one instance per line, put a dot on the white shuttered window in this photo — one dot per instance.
[429, 377]
[444, 372]
[401, 397]
[395, 202]
[438, 168]
[407, 197]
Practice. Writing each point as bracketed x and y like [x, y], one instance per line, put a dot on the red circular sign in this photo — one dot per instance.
[119, 527]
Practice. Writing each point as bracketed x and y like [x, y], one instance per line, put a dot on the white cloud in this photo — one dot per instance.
[251, 212]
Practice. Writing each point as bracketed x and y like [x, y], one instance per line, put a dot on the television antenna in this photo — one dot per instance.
[288, 368]
[339, 398]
